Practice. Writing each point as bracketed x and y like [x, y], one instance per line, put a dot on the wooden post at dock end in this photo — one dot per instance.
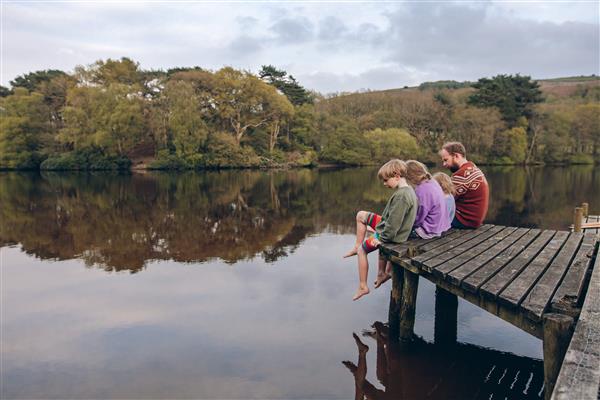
[395, 302]
[577, 219]
[557, 335]
[585, 207]
[446, 317]
[408, 305]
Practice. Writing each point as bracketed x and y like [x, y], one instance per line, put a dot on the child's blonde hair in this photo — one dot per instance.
[445, 182]
[392, 168]
[416, 172]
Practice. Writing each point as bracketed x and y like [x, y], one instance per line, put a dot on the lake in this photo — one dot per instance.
[231, 285]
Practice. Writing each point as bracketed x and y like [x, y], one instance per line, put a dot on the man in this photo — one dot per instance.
[472, 191]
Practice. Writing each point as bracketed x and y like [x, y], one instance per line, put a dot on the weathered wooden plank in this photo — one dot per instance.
[473, 282]
[506, 274]
[491, 248]
[402, 249]
[437, 264]
[450, 244]
[579, 376]
[593, 218]
[516, 290]
[456, 233]
[568, 295]
[538, 298]
[465, 256]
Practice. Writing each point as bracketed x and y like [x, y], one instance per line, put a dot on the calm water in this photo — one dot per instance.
[228, 285]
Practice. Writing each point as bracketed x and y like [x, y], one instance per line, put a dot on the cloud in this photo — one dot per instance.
[462, 42]
[351, 45]
[293, 30]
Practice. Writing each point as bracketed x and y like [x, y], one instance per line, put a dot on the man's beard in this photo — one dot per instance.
[454, 168]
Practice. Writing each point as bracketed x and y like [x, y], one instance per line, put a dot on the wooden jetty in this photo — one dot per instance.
[545, 282]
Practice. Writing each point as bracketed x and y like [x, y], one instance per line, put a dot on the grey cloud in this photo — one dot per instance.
[293, 30]
[331, 28]
[461, 42]
[245, 45]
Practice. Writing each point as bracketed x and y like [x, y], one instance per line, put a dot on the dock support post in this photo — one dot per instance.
[577, 219]
[408, 305]
[557, 334]
[395, 302]
[585, 207]
[446, 317]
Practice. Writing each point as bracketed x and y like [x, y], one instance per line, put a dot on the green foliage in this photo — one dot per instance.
[4, 91]
[91, 158]
[514, 96]
[33, 80]
[169, 161]
[187, 129]
[223, 151]
[391, 143]
[111, 110]
[444, 85]
[286, 84]
[581, 159]
[24, 130]
[510, 145]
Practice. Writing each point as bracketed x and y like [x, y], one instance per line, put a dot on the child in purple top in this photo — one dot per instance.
[432, 212]
[449, 191]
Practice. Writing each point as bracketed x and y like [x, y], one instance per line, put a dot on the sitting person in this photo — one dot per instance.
[447, 186]
[472, 190]
[392, 226]
[432, 213]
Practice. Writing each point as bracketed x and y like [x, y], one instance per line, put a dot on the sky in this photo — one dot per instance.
[328, 46]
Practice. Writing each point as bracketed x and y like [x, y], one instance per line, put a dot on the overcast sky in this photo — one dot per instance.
[328, 46]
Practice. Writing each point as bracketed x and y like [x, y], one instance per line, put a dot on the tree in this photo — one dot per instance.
[391, 143]
[243, 101]
[110, 118]
[124, 71]
[511, 144]
[286, 84]
[32, 80]
[187, 129]
[24, 130]
[514, 96]
[4, 91]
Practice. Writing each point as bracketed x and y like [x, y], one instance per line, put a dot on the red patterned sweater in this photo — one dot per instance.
[472, 195]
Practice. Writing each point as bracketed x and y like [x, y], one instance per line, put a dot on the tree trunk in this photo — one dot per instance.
[273, 137]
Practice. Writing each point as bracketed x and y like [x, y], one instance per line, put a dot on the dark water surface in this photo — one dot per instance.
[231, 285]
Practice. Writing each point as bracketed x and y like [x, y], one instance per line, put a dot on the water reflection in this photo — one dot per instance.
[419, 369]
[120, 222]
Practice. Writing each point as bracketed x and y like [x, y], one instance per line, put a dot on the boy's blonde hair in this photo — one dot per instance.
[416, 172]
[392, 168]
[445, 182]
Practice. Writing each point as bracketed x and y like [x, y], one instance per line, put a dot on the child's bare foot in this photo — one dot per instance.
[381, 279]
[361, 346]
[351, 253]
[360, 293]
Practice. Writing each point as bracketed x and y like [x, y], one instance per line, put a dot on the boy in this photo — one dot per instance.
[392, 226]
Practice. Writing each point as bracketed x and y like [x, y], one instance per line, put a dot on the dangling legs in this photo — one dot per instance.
[361, 231]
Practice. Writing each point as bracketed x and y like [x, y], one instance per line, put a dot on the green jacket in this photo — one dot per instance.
[398, 216]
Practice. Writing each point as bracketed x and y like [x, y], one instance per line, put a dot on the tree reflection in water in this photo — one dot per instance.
[419, 370]
[122, 221]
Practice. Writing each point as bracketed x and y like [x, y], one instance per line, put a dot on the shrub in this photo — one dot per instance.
[90, 159]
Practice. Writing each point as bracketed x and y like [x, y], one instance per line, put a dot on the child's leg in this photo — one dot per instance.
[384, 272]
[363, 272]
[361, 231]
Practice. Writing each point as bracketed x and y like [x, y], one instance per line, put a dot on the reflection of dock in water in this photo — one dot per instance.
[544, 282]
[424, 370]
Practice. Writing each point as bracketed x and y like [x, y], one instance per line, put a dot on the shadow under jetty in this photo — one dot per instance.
[417, 369]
